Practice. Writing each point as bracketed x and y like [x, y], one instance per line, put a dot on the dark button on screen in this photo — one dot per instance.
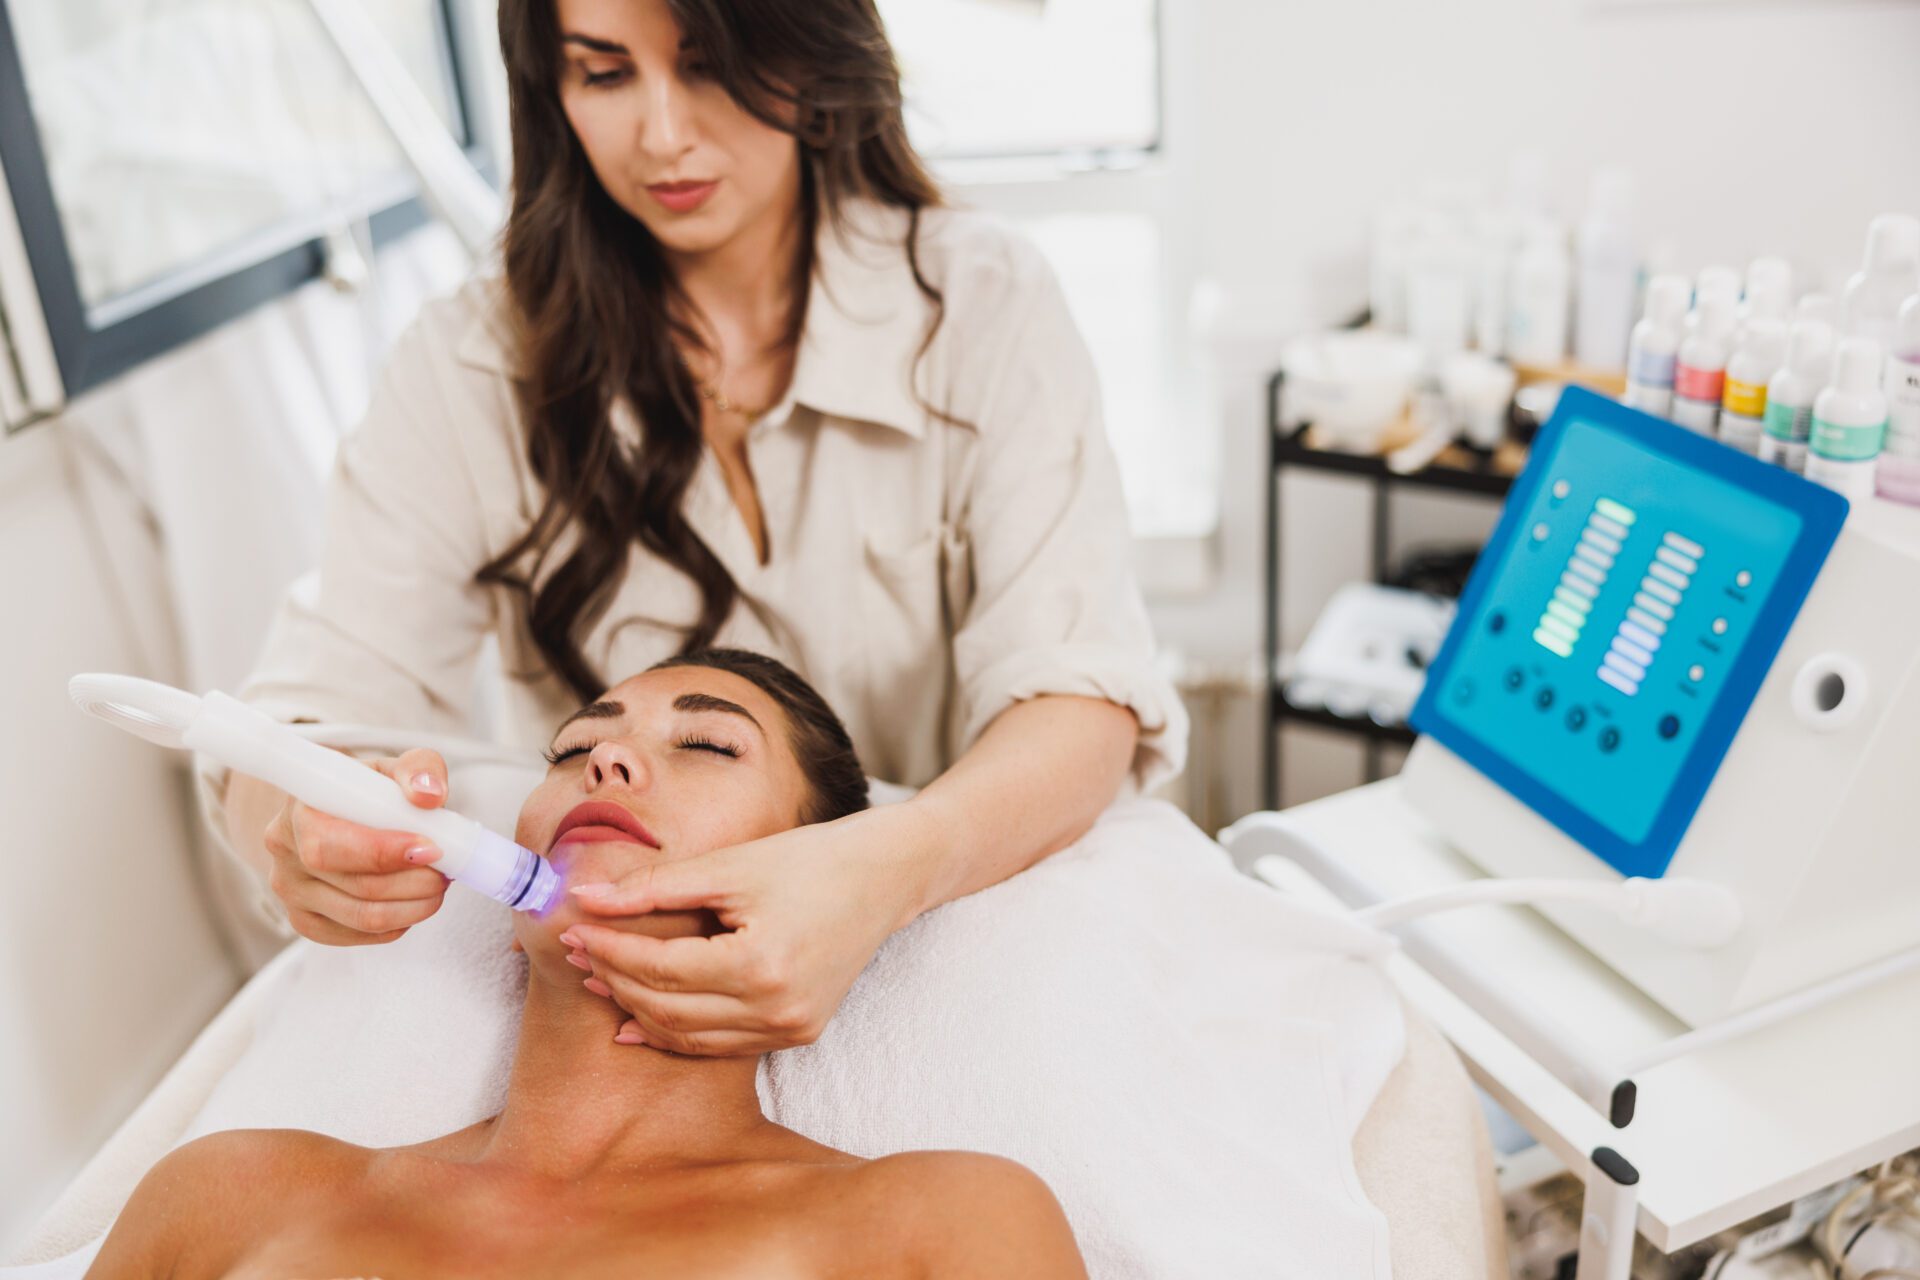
[1609, 738]
[1669, 726]
[1577, 718]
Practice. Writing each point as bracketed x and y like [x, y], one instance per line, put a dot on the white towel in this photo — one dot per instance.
[1181, 1052]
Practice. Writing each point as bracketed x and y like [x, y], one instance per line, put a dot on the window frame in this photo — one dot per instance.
[94, 343]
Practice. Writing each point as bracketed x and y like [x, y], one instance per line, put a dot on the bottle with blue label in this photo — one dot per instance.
[1654, 343]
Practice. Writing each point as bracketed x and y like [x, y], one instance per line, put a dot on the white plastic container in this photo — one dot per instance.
[1791, 393]
[1440, 289]
[1539, 296]
[1393, 235]
[1850, 422]
[1898, 476]
[1479, 390]
[1819, 306]
[1758, 351]
[1717, 282]
[1654, 344]
[1889, 276]
[1493, 246]
[1700, 371]
[1769, 290]
[1609, 273]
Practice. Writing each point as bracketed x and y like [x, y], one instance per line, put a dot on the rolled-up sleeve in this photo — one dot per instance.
[1055, 607]
[387, 629]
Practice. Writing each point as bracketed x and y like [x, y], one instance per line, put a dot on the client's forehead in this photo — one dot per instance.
[687, 689]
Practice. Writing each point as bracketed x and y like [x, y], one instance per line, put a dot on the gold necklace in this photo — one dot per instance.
[721, 404]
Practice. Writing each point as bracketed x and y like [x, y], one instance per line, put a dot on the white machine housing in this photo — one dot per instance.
[1812, 819]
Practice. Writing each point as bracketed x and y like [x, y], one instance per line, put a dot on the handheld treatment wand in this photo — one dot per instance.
[257, 745]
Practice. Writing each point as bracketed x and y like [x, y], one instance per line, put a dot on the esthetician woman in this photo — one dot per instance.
[741, 381]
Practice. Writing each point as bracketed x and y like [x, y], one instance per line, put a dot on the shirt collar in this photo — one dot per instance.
[860, 343]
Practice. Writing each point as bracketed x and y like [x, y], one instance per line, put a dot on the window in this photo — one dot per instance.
[996, 78]
[1048, 112]
[174, 162]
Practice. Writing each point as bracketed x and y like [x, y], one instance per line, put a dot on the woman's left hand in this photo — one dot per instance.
[805, 910]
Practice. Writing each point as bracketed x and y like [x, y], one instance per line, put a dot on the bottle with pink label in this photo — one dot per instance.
[1700, 371]
[1898, 476]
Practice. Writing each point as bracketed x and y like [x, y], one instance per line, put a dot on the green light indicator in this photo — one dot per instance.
[1608, 507]
[1566, 615]
[1553, 643]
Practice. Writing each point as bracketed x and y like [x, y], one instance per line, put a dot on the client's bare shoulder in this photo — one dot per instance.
[964, 1214]
[202, 1207]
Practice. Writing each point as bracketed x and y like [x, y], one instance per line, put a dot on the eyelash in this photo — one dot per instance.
[603, 79]
[692, 742]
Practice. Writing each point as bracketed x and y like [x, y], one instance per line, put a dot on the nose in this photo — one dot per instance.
[666, 126]
[614, 762]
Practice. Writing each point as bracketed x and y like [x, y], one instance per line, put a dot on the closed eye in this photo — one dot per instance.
[692, 742]
[555, 757]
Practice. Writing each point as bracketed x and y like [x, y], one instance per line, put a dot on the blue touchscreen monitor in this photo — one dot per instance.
[1621, 619]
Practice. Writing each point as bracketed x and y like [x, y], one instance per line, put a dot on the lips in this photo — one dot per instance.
[602, 820]
[682, 197]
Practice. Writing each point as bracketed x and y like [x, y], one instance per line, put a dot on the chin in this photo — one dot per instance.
[655, 924]
[702, 231]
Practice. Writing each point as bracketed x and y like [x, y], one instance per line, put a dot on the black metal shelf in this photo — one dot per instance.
[1365, 726]
[1478, 472]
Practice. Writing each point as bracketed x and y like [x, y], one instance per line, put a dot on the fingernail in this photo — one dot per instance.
[422, 853]
[572, 939]
[592, 890]
[579, 961]
[427, 784]
[627, 1037]
[598, 987]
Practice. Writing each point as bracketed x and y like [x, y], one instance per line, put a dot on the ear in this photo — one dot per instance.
[515, 946]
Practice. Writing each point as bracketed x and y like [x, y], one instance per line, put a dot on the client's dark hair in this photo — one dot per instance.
[818, 739]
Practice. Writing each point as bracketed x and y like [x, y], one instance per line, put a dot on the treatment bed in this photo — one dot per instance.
[1420, 1152]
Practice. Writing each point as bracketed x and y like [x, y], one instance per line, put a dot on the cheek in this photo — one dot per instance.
[540, 812]
[759, 156]
[599, 126]
[731, 819]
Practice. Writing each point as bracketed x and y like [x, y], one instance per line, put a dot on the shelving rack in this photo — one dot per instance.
[1457, 470]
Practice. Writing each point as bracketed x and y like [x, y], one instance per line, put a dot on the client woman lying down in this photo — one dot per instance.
[611, 1159]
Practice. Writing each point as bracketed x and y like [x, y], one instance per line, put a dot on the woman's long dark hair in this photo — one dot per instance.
[598, 312]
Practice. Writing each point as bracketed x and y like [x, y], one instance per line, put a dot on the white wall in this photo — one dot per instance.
[108, 963]
[1773, 125]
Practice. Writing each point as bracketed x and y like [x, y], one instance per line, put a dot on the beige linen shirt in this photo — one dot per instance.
[923, 576]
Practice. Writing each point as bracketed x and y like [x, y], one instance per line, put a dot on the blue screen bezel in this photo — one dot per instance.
[1822, 513]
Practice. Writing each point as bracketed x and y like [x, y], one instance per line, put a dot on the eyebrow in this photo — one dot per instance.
[708, 702]
[600, 44]
[595, 43]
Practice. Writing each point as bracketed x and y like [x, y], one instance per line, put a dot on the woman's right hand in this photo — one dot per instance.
[348, 885]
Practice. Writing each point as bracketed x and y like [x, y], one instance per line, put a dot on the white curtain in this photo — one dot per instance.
[203, 472]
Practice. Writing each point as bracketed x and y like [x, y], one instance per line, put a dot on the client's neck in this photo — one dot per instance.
[578, 1103]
